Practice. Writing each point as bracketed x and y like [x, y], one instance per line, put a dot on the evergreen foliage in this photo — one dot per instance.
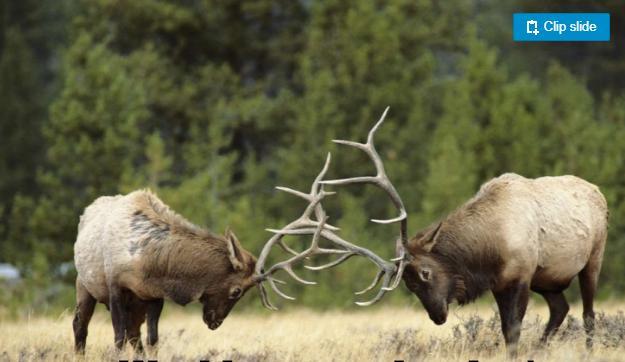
[214, 103]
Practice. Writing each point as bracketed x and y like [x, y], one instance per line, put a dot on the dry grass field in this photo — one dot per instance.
[472, 332]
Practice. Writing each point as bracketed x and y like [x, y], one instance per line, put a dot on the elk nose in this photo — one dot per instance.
[209, 317]
[214, 325]
[439, 319]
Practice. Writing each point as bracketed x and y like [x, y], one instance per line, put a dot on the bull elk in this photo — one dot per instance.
[133, 251]
[515, 235]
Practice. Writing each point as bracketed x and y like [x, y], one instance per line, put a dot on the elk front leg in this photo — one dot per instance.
[154, 313]
[136, 311]
[119, 316]
[512, 303]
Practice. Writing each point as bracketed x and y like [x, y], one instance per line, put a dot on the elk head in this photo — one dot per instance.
[313, 222]
[427, 277]
[218, 299]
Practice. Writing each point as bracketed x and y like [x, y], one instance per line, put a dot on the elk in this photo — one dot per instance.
[515, 235]
[133, 251]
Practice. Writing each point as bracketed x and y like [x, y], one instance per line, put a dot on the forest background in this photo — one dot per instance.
[214, 103]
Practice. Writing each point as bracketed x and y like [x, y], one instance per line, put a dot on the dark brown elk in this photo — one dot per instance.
[132, 251]
[515, 235]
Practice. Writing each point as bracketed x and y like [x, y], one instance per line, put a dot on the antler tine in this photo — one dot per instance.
[400, 271]
[264, 298]
[278, 291]
[314, 189]
[294, 192]
[381, 292]
[277, 280]
[377, 125]
[286, 248]
[332, 251]
[332, 263]
[375, 282]
[289, 270]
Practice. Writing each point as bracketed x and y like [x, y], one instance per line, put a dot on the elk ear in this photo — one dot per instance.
[428, 240]
[234, 250]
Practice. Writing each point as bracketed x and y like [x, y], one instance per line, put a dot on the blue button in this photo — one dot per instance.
[561, 26]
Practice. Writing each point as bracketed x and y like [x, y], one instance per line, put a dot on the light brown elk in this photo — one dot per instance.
[515, 235]
[133, 251]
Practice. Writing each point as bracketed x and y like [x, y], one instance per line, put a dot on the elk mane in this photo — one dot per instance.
[468, 261]
[174, 246]
[166, 215]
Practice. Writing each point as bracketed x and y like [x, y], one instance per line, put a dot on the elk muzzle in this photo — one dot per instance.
[211, 320]
[438, 313]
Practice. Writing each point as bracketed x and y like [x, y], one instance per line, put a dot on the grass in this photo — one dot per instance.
[471, 332]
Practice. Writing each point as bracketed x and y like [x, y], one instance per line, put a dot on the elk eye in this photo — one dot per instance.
[235, 293]
[425, 275]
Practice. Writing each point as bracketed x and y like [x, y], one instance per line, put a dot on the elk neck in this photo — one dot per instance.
[183, 264]
[471, 262]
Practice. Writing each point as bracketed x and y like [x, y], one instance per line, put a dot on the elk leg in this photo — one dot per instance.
[558, 308]
[154, 313]
[136, 317]
[512, 304]
[117, 305]
[588, 285]
[85, 304]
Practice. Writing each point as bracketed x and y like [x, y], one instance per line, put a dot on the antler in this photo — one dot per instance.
[305, 225]
[381, 180]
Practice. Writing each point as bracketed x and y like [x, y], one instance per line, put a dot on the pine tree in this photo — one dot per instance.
[21, 116]
[31, 36]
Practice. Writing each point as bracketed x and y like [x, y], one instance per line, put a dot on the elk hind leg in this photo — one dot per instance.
[85, 305]
[558, 309]
[588, 278]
